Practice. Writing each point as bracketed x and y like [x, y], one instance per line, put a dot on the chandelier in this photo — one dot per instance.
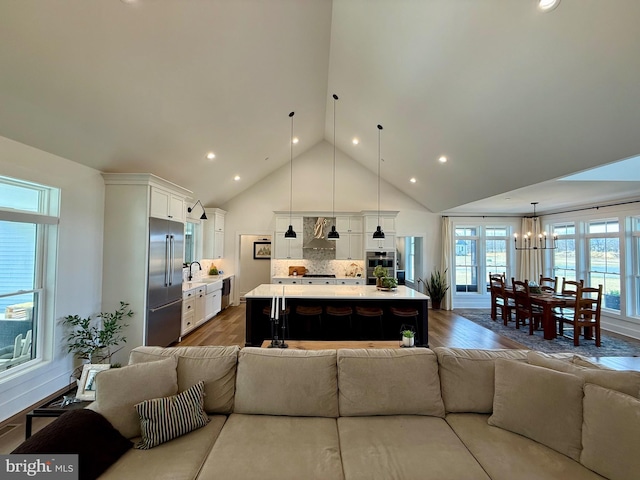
[529, 242]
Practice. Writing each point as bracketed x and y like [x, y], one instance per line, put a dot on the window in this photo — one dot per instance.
[604, 260]
[635, 239]
[191, 230]
[496, 250]
[26, 226]
[466, 262]
[564, 256]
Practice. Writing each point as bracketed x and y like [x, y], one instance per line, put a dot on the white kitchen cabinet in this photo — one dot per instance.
[319, 281]
[288, 247]
[128, 199]
[213, 299]
[350, 281]
[387, 222]
[213, 233]
[188, 312]
[167, 204]
[200, 306]
[380, 244]
[287, 280]
[349, 246]
[349, 224]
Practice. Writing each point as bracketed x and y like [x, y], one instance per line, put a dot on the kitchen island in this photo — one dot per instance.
[258, 325]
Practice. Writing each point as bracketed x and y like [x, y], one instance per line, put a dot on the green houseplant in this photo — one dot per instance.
[92, 340]
[408, 338]
[436, 288]
[379, 272]
[389, 282]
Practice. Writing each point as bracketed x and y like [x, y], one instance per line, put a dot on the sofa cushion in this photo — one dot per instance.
[179, 459]
[581, 361]
[389, 382]
[287, 382]
[216, 366]
[508, 456]
[163, 419]
[404, 447]
[265, 447]
[119, 389]
[611, 433]
[83, 432]
[541, 404]
[623, 381]
[467, 377]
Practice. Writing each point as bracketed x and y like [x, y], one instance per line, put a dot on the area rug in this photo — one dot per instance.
[611, 347]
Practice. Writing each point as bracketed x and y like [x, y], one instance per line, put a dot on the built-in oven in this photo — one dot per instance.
[385, 259]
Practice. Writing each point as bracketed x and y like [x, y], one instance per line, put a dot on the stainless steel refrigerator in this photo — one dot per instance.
[164, 316]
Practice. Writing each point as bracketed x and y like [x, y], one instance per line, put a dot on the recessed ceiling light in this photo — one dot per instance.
[236, 178]
[295, 140]
[547, 5]
[355, 141]
[211, 155]
[413, 180]
[442, 159]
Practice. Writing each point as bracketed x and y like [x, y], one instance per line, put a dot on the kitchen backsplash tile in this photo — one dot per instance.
[339, 268]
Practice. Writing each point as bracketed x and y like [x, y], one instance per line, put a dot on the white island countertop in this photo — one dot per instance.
[355, 292]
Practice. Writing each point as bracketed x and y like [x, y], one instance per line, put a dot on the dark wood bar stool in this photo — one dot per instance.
[307, 312]
[339, 313]
[371, 312]
[406, 313]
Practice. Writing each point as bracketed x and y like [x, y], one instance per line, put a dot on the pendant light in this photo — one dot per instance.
[378, 233]
[333, 234]
[291, 233]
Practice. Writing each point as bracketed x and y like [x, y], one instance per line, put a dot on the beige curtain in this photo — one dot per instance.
[447, 266]
[530, 266]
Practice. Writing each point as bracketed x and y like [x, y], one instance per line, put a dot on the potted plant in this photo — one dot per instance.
[408, 338]
[379, 272]
[91, 340]
[390, 283]
[436, 288]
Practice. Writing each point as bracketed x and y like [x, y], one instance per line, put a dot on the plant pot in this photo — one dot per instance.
[408, 341]
[378, 281]
[436, 304]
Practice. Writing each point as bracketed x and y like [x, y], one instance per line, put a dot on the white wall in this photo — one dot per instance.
[79, 263]
[356, 190]
[252, 272]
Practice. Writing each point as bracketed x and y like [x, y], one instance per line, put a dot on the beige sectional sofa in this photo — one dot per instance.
[380, 414]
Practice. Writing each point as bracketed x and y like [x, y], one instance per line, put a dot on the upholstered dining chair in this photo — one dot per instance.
[499, 298]
[524, 310]
[587, 314]
[548, 284]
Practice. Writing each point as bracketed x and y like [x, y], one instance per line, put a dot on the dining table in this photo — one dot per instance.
[549, 301]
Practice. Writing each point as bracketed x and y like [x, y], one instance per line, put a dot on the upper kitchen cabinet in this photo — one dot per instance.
[285, 248]
[349, 245]
[349, 223]
[213, 233]
[167, 204]
[387, 223]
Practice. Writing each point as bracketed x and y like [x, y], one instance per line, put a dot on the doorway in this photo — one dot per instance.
[409, 260]
[255, 265]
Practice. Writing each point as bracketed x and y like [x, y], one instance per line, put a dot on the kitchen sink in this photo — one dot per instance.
[213, 286]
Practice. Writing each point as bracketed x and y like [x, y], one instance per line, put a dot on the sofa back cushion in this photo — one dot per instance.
[610, 433]
[216, 366]
[389, 382]
[622, 381]
[541, 404]
[119, 389]
[467, 377]
[295, 383]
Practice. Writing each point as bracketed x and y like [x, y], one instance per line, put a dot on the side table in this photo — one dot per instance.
[51, 409]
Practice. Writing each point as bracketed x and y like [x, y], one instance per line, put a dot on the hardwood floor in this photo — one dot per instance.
[446, 329]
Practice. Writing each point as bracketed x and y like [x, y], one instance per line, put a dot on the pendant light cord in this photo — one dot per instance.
[333, 202]
[379, 161]
[291, 169]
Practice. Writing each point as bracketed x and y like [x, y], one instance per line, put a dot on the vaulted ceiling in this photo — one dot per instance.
[510, 95]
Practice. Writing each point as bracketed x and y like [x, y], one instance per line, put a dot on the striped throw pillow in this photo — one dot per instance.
[163, 419]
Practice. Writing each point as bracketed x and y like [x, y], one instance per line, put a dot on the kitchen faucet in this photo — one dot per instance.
[190, 274]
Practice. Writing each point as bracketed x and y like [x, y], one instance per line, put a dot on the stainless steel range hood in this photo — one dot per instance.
[319, 242]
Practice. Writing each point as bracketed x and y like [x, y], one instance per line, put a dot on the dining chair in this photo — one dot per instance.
[525, 311]
[500, 299]
[548, 284]
[587, 314]
[569, 289]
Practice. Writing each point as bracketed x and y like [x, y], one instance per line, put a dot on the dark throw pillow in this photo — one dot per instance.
[83, 432]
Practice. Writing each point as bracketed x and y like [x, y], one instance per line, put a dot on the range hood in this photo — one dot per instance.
[319, 242]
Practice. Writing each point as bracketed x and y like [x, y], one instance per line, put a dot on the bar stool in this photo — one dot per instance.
[404, 313]
[370, 312]
[340, 312]
[308, 311]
